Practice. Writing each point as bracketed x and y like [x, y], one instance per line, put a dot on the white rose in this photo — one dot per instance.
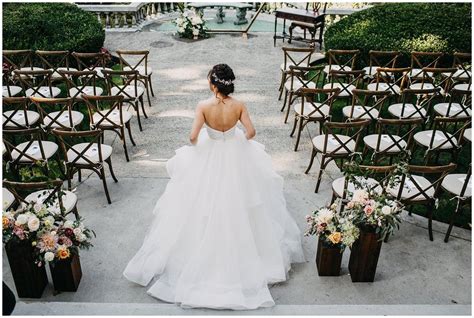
[196, 20]
[53, 233]
[22, 219]
[180, 30]
[195, 32]
[386, 210]
[360, 196]
[33, 224]
[179, 21]
[324, 215]
[69, 224]
[81, 237]
[37, 207]
[48, 221]
[48, 256]
[77, 232]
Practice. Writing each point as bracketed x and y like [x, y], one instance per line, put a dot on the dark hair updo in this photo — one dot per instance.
[222, 76]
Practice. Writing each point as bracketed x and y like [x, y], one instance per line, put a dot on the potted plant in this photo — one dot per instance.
[336, 231]
[190, 24]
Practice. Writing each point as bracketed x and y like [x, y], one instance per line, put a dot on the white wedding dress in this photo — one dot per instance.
[221, 231]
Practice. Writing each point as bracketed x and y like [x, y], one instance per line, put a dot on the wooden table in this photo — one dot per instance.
[308, 16]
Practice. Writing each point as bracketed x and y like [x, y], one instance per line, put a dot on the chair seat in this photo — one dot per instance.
[385, 143]
[417, 72]
[99, 71]
[424, 139]
[409, 111]
[297, 85]
[8, 198]
[456, 110]
[459, 74]
[333, 144]
[468, 134]
[14, 90]
[77, 118]
[68, 199]
[92, 153]
[29, 68]
[114, 116]
[463, 87]
[360, 112]
[20, 119]
[394, 88]
[56, 75]
[34, 151]
[324, 109]
[409, 189]
[88, 90]
[43, 91]
[334, 67]
[370, 71]
[453, 183]
[129, 90]
[345, 89]
[367, 183]
[424, 86]
[288, 64]
[141, 70]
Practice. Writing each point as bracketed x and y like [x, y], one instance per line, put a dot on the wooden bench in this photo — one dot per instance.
[241, 9]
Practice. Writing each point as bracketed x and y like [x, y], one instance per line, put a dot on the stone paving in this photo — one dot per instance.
[412, 270]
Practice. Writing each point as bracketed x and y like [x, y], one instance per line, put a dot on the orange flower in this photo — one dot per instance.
[63, 253]
[5, 222]
[335, 237]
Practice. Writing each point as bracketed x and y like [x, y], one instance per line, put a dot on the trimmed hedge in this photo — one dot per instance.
[51, 27]
[406, 27]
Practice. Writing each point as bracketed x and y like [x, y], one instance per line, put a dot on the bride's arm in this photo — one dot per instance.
[197, 124]
[247, 123]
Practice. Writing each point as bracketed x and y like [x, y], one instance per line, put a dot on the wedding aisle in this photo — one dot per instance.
[409, 267]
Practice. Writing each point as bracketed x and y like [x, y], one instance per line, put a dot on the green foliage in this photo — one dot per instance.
[50, 26]
[444, 27]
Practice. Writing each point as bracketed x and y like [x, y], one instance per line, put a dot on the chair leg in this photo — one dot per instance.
[109, 162]
[76, 213]
[148, 92]
[294, 125]
[104, 182]
[289, 106]
[320, 174]
[79, 175]
[143, 106]
[451, 222]
[313, 154]
[298, 136]
[333, 198]
[137, 109]
[284, 101]
[130, 133]
[430, 208]
[282, 84]
[151, 86]
[122, 136]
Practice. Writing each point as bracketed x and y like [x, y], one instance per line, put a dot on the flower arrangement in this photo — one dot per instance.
[191, 25]
[52, 236]
[332, 226]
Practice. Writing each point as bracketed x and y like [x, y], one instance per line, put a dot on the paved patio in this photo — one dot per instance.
[414, 275]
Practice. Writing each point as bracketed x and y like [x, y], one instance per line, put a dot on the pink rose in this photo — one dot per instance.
[350, 205]
[18, 231]
[368, 210]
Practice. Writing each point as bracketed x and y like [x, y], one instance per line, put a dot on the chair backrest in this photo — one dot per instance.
[296, 56]
[421, 60]
[129, 79]
[386, 59]
[380, 173]
[127, 56]
[18, 117]
[408, 181]
[76, 88]
[81, 158]
[352, 129]
[466, 182]
[89, 61]
[52, 60]
[448, 131]
[27, 153]
[422, 99]
[346, 79]
[396, 132]
[18, 59]
[370, 100]
[344, 58]
[463, 62]
[303, 76]
[54, 112]
[438, 77]
[35, 80]
[105, 108]
[393, 78]
[459, 103]
[308, 95]
[53, 192]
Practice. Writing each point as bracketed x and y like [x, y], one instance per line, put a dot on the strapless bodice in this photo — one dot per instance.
[220, 135]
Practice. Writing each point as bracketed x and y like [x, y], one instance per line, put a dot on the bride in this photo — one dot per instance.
[221, 231]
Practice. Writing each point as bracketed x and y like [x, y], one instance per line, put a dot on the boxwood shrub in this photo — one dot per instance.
[406, 27]
[50, 26]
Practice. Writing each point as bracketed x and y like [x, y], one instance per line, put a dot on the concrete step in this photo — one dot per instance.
[74, 308]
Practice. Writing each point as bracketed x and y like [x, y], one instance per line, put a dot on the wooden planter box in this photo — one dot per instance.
[30, 280]
[66, 274]
[328, 259]
[365, 255]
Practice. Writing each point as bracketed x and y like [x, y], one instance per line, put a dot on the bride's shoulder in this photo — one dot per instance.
[204, 103]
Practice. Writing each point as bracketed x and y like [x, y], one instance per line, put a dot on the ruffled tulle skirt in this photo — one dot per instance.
[221, 231]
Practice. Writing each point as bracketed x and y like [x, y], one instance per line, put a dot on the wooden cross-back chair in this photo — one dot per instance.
[142, 67]
[420, 60]
[366, 104]
[17, 113]
[299, 77]
[384, 59]
[434, 78]
[107, 113]
[300, 57]
[393, 80]
[50, 193]
[91, 62]
[446, 136]
[57, 113]
[458, 185]
[19, 59]
[87, 85]
[414, 103]
[29, 152]
[55, 61]
[37, 83]
[341, 60]
[463, 63]
[416, 188]
[9, 89]
[130, 90]
[457, 104]
[91, 155]
[311, 111]
[393, 137]
[338, 141]
[346, 81]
